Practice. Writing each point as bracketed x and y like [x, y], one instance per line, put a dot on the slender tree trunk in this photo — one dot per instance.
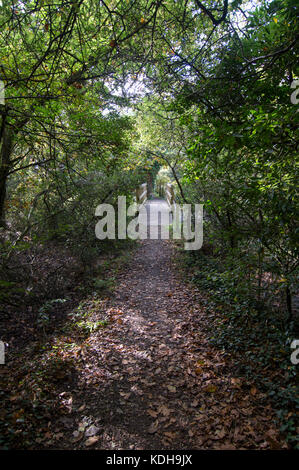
[149, 181]
[178, 183]
[7, 137]
[231, 236]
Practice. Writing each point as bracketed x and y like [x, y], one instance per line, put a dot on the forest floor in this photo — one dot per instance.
[143, 377]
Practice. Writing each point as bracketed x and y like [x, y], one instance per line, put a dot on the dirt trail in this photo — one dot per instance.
[152, 381]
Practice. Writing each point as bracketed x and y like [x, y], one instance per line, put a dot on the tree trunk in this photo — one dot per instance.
[231, 236]
[178, 183]
[7, 137]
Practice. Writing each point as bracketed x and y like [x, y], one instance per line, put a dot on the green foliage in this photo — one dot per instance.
[45, 311]
[89, 327]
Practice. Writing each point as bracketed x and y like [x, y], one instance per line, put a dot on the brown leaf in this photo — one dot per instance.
[153, 427]
[220, 433]
[210, 388]
[78, 436]
[275, 445]
[236, 382]
[91, 441]
[15, 397]
[170, 435]
[164, 410]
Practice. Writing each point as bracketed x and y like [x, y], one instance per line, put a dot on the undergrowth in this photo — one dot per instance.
[254, 332]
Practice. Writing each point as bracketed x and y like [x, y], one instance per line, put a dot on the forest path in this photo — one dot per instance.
[151, 380]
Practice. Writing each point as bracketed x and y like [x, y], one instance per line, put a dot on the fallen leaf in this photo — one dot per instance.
[164, 410]
[236, 382]
[210, 388]
[153, 427]
[77, 436]
[220, 433]
[275, 445]
[91, 441]
[170, 435]
[91, 431]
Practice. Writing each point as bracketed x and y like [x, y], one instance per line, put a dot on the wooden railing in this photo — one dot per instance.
[141, 194]
[169, 194]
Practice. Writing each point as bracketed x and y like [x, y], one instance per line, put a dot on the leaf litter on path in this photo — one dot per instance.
[153, 376]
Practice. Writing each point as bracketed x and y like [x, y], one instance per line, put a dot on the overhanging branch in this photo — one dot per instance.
[207, 12]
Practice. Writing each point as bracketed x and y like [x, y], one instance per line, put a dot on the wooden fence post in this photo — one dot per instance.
[169, 194]
[141, 193]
